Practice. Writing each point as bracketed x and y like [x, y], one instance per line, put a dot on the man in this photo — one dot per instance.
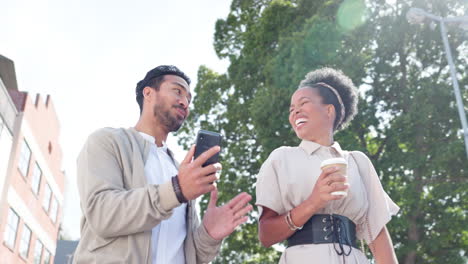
[137, 202]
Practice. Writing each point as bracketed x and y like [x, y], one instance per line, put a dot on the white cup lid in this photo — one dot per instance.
[333, 161]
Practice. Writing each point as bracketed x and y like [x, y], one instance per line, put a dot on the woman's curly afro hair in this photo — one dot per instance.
[342, 84]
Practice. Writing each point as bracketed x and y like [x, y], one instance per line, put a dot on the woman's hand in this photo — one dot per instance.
[330, 180]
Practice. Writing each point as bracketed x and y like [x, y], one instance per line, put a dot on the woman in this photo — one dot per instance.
[294, 194]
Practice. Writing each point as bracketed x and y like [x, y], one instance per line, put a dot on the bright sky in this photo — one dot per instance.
[89, 55]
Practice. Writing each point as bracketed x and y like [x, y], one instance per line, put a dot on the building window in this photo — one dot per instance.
[38, 252]
[25, 240]
[47, 196]
[25, 157]
[11, 229]
[46, 257]
[54, 209]
[36, 179]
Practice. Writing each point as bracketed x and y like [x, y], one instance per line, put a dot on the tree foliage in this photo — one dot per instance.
[407, 124]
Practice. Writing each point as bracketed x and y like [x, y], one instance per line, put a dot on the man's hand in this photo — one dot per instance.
[194, 179]
[222, 221]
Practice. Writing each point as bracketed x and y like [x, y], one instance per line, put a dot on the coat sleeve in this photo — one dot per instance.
[109, 208]
[200, 247]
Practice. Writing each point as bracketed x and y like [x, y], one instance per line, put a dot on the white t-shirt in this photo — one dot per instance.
[167, 239]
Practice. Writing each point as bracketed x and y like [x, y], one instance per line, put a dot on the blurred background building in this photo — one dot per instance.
[31, 178]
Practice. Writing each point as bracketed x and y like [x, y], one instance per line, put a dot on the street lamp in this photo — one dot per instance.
[417, 16]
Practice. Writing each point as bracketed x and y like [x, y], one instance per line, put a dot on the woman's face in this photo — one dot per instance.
[308, 116]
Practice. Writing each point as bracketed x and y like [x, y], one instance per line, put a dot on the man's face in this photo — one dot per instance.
[171, 102]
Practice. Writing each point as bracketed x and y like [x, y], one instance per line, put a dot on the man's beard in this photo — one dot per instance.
[171, 123]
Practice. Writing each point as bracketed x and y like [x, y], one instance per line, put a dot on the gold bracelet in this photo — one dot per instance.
[291, 224]
[288, 223]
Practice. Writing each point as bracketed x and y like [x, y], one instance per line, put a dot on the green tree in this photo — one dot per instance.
[408, 123]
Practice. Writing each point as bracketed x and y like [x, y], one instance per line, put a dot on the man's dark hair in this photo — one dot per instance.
[154, 78]
[342, 84]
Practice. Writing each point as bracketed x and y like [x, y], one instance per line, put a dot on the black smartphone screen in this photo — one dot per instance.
[206, 140]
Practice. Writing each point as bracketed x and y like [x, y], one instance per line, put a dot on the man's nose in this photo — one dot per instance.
[184, 102]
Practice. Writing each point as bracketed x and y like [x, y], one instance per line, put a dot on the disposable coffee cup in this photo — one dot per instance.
[340, 163]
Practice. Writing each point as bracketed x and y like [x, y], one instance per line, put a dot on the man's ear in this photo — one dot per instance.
[147, 91]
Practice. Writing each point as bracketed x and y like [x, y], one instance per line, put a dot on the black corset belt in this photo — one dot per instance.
[331, 228]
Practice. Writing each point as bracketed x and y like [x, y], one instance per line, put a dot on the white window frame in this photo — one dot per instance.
[38, 250]
[25, 242]
[54, 209]
[25, 158]
[36, 179]
[47, 197]
[11, 229]
[47, 256]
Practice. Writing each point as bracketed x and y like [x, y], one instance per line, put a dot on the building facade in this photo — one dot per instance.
[31, 179]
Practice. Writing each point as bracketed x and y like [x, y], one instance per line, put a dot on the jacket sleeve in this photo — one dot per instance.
[109, 208]
[206, 247]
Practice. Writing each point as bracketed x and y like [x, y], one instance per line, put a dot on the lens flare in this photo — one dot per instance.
[351, 14]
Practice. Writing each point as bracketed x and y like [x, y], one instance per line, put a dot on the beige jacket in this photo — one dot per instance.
[119, 207]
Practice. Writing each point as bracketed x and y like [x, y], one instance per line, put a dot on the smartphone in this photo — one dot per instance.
[205, 141]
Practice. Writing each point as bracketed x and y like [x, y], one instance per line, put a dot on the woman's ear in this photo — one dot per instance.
[331, 113]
